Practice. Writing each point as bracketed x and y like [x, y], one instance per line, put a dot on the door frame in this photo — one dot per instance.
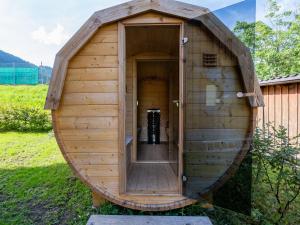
[136, 60]
[122, 100]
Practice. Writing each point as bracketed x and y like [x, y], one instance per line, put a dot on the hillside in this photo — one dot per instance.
[8, 60]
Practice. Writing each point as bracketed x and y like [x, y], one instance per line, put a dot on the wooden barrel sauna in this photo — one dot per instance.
[145, 106]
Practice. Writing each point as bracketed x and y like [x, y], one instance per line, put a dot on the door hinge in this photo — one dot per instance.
[184, 178]
[185, 40]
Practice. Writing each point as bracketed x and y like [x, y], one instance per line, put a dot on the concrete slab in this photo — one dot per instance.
[148, 220]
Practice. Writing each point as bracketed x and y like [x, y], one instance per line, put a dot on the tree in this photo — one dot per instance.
[275, 47]
[276, 170]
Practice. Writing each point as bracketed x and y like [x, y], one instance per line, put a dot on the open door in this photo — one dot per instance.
[153, 110]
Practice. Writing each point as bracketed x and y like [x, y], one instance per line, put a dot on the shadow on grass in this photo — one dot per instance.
[52, 195]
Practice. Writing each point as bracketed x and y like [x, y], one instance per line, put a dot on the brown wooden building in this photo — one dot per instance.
[282, 103]
[145, 107]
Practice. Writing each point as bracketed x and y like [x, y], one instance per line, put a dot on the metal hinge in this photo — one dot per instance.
[185, 40]
[184, 178]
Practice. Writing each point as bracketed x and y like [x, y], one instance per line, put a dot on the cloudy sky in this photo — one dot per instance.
[35, 30]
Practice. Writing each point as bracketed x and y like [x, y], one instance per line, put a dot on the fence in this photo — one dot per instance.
[20, 73]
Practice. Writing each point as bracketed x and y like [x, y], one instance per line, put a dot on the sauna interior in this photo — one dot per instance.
[152, 109]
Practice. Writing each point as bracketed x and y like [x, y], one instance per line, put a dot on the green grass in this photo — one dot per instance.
[38, 187]
[23, 95]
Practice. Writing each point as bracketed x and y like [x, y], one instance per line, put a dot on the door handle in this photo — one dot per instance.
[176, 102]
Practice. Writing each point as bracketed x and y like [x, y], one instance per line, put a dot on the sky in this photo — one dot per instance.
[35, 30]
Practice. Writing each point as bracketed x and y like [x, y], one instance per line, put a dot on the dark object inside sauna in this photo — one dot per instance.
[152, 108]
[153, 117]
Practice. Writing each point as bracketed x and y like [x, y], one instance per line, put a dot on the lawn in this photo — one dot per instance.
[37, 187]
[23, 95]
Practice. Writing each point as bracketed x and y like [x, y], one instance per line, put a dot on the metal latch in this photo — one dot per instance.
[242, 95]
[184, 178]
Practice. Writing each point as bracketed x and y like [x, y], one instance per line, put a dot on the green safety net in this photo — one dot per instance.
[19, 75]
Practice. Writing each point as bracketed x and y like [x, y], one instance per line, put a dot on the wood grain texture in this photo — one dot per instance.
[86, 137]
[281, 107]
[122, 11]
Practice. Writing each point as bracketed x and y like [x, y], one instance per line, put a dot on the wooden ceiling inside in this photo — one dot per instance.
[156, 39]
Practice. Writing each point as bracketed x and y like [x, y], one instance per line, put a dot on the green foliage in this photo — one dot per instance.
[21, 108]
[275, 47]
[24, 119]
[276, 171]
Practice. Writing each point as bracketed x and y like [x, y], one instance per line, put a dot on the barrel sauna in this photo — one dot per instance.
[153, 103]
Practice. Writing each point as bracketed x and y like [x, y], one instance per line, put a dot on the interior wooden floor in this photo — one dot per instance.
[149, 152]
[152, 178]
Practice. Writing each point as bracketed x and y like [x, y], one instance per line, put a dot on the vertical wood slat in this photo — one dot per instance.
[285, 106]
[271, 102]
[122, 81]
[293, 108]
[281, 107]
[266, 100]
[278, 106]
[298, 113]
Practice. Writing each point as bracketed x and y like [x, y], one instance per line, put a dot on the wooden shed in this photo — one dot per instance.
[282, 104]
[145, 106]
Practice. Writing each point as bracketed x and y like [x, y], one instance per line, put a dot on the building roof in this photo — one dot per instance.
[186, 11]
[294, 78]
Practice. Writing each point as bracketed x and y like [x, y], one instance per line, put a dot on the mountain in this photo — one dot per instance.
[9, 60]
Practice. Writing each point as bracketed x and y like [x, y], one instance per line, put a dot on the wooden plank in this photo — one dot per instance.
[225, 85]
[98, 170]
[214, 134]
[90, 98]
[92, 74]
[88, 146]
[148, 220]
[152, 18]
[108, 36]
[222, 110]
[94, 62]
[122, 109]
[285, 106]
[210, 158]
[293, 110]
[278, 106]
[90, 134]
[91, 86]
[87, 122]
[110, 183]
[298, 124]
[96, 49]
[266, 100]
[218, 122]
[93, 158]
[271, 105]
[224, 98]
[205, 171]
[97, 200]
[224, 146]
[88, 110]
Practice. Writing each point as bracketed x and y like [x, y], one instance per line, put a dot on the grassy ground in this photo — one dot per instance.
[23, 95]
[37, 187]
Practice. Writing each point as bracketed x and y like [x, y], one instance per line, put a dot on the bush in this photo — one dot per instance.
[24, 118]
[276, 176]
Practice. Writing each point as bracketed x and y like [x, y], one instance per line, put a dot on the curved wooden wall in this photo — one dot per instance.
[86, 122]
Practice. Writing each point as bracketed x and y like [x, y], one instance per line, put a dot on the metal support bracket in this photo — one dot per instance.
[243, 95]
